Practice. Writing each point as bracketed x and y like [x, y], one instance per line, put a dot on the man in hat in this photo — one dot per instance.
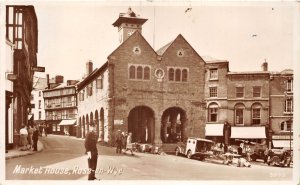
[91, 150]
[119, 139]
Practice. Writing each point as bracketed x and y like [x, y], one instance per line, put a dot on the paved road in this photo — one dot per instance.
[63, 154]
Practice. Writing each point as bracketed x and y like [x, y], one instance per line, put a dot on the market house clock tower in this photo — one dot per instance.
[128, 23]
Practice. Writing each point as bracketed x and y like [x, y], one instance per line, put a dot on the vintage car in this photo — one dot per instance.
[279, 157]
[258, 152]
[195, 148]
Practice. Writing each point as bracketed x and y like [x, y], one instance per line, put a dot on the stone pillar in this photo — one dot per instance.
[184, 125]
[157, 126]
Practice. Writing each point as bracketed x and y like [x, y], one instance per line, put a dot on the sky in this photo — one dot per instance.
[245, 34]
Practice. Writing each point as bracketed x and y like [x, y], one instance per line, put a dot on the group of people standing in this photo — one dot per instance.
[124, 142]
[29, 137]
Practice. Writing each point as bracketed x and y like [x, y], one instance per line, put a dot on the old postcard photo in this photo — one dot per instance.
[149, 92]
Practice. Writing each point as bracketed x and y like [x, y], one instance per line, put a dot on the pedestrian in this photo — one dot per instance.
[23, 137]
[225, 148]
[129, 144]
[124, 141]
[248, 153]
[91, 151]
[35, 138]
[119, 141]
[30, 132]
[240, 149]
[266, 155]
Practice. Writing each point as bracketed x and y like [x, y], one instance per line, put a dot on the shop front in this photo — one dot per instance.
[282, 142]
[215, 132]
[248, 135]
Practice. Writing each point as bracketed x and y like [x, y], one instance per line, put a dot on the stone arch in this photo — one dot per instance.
[101, 132]
[141, 124]
[173, 124]
[97, 122]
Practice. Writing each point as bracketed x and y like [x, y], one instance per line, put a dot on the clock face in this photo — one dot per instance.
[130, 32]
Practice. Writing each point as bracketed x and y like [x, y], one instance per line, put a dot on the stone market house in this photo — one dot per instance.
[165, 96]
[158, 96]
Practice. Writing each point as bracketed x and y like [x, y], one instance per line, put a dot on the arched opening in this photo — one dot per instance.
[101, 124]
[173, 124]
[83, 126]
[97, 123]
[87, 123]
[141, 124]
[79, 130]
[91, 119]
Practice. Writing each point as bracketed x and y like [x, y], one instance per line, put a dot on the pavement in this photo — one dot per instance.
[17, 152]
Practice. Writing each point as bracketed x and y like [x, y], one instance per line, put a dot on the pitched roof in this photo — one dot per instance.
[130, 37]
[39, 83]
[162, 50]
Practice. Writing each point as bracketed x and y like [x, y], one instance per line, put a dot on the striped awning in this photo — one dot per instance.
[67, 122]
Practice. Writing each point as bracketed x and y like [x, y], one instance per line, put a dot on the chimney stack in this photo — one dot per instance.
[89, 67]
[265, 66]
[48, 83]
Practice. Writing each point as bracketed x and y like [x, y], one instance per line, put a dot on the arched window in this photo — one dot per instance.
[213, 112]
[171, 74]
[184, 75]
[132, 72]
[146, 73]
[177, 75]
[283, 126]
[239, 113]
[256, 114]
[139, 72]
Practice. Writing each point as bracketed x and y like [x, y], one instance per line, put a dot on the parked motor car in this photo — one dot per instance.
[258, 152]
[195, 148]
[279, 157]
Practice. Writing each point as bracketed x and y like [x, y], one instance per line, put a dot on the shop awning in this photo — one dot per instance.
[248, 132]
[282, 143]
[214, 129]
[68, 122]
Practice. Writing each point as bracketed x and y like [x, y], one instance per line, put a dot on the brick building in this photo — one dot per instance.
[158, 96]
[281, 108]
[216, 98]
[61, 107]
[248, 105]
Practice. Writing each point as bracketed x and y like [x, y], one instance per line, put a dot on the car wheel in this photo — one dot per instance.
[177, 152]
[189, 154]
[253, 158]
